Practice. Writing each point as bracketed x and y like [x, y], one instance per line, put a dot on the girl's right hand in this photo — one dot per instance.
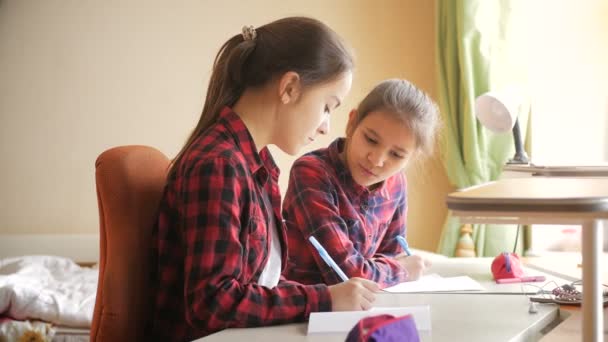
[414, 264]
[354, 294]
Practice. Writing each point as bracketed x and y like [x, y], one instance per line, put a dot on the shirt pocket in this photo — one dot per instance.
[365, 238]
[256, 246]
[257, 227]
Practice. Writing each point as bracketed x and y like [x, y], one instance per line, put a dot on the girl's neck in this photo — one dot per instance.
[256, 111]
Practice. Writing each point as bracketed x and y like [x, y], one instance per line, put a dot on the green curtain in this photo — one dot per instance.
[480, 47]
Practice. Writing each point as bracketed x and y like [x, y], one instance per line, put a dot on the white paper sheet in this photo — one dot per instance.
[436, 283]
[344, 321]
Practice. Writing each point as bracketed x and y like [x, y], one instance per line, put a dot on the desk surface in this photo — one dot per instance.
[540, 194]
[548, 200]
[454, 317]
[480, 270]
[465, 315]
[567, 265]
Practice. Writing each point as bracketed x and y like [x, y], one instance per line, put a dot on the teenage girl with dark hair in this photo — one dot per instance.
[220, 239]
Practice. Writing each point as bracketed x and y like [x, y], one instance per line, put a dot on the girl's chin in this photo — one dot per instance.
[362, 182]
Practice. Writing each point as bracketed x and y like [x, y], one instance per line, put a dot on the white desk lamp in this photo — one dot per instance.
[498, 112]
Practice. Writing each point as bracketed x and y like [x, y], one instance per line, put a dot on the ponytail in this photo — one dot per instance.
[252, 59]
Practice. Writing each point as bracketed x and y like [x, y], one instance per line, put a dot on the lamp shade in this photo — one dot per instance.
[497, 111]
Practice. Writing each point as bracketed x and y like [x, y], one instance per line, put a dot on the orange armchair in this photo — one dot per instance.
[130, 182]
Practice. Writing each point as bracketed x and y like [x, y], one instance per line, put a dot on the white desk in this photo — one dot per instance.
[480, 270]
[550, 200]
[454, 317]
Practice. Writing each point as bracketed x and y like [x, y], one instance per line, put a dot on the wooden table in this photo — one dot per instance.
[548, 200]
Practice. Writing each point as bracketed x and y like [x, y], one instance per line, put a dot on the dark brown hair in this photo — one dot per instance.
[413, 106]
[302, 45]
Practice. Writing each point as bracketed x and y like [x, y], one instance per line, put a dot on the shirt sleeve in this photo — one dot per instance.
[311, 206]
[216, 247]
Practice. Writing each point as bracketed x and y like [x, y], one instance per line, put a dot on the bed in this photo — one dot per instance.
[47, 297]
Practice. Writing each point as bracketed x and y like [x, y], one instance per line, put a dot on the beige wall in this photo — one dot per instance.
[569, 61]
[78, 77]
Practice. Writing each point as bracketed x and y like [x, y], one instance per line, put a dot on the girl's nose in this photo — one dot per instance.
[376, 158]
[324, 128]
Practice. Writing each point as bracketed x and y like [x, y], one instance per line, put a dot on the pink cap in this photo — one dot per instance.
[507, 265]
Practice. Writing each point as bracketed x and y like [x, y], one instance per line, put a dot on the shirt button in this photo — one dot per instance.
[364, 206]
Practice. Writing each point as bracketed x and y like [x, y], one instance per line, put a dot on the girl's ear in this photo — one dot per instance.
[352, 123]
[290, 87]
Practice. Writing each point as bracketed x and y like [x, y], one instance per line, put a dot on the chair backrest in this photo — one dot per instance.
[130, 182]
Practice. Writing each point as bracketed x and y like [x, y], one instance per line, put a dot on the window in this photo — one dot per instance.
[568, 76]
[568, 70]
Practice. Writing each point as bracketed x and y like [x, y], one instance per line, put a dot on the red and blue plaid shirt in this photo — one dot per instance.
[212, 241]
[356, 226]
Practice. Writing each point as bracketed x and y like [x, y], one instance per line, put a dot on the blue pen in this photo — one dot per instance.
[325, 256]
[404, 245]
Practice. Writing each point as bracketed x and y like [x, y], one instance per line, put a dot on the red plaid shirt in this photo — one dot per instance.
[212, 241]
[356, 226]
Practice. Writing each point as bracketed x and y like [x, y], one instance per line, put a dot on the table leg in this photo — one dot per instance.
[592, 287]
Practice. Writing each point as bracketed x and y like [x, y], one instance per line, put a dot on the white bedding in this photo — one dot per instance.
[48, 288]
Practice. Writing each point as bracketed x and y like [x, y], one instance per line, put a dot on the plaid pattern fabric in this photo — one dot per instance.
[212, 241]
[357, 226]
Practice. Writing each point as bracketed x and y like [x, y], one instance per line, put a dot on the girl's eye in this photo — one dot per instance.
[370, 140]
[397, 155]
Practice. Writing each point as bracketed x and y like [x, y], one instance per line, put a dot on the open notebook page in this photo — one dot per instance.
[436, 283]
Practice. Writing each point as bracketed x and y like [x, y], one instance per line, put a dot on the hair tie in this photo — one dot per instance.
[249, 32]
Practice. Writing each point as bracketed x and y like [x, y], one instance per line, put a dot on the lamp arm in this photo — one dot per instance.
[520, 156]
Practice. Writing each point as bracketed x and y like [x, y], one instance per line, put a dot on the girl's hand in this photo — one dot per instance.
[414, 264]
[354, 294]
